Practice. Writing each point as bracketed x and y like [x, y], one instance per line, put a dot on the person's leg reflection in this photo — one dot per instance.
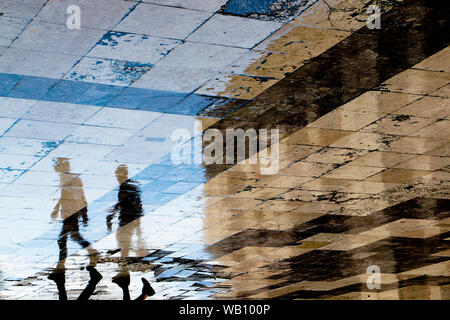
[122, 279]
[92, 284]
[147, 290]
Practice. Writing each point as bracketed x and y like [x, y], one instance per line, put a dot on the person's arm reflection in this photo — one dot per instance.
[55, 211]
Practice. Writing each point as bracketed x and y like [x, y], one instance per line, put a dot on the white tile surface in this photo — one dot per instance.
[39, 178]
[122, 118]
[144, 152]
[234, 31]
[5, 124]
[105, 71]
[81, 151]
[241, 64]
[10, 28]
[2, 50]
[101, 14]
[99, 182]
[202, 56]
[133, 47]
[26, 9]
[217, 85]
[76, 165]
[108, 168]
[56, 38]
[201, 5]
[36, 191]
[14, 108]
[161, 21]
[178, 79]
[35, 63]
[24, 146]
[60, 112]
[13, 161]
[164, 127]
[7, 175]
[101, 135]
[41, 130]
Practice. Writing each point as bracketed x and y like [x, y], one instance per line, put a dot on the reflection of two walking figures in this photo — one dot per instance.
[71, 208]
[129, 210]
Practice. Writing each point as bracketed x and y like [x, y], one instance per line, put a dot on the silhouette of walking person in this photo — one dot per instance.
[129, 207]
[72, 207]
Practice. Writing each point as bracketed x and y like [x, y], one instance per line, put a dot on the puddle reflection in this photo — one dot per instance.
[72, 208]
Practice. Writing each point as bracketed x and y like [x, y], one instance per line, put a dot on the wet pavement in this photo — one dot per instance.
[107, 132]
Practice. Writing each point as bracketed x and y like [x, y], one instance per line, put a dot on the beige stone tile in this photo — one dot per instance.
[205, 123]
[216, 189]
[444, 221]
[211, 200]
[353, 241]
[381, 159]
[303, 195]
[323, 184]
[335, 155]
[302, 42]
[241, 284]
[283, 181]
[237, 203]
[437, 62]
[350, 172]
[274, 65]
[312, 244]
[416, 292]
[380, 102]
[386, 278]
[278, 205]
[425, 163]
[443, 151]
[317, 207]
[361, 140]
[443, 92]
[330, 197]
[316, 136]
[397, 175]
[444, 253]
[292, 46]
[288, 221]
[346, 120]
[416, 81]
[286, 253]
[295, 152]
[246, 167]
[439, 129]
[236, 86]
[398, 125]
[246, 266]
[243, 254]
[425, 232]
[306, 169]
[436, 269]
[428, 107]
[237, 178]
[416, 145]
[261, 193]
[335, 14]
[278, 220]
[409, 228]
[327, 237]
[369, 187]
